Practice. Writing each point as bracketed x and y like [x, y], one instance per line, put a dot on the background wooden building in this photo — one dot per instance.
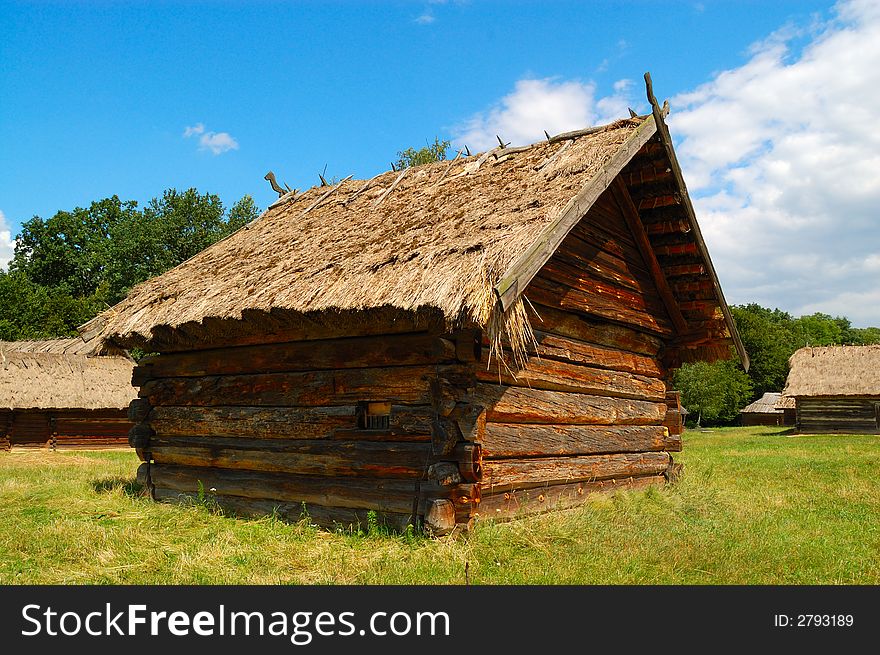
[483, 336]
[836, 389]
[53, 395]
[767, 410]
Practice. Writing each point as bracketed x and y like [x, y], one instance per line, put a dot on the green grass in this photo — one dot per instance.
[754, 506]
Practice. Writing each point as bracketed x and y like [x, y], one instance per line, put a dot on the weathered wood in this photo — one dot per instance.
[399, 460]
[346, 518]
[407, 422]
[610, 306]
[397, 385]
[326, 195]
[282, 326]
[552, 346]
[556, 375]
[634, 221]
[520, 273]
[143, 476]
[520, 405]
[106, 427]
[440, 517]
[378, 201]
[505, 474]
[138, 409]
[382, 495]
[663, 134]
[551, 319]
[374, 351]
[139, 436]
[518, 440]
[845, 414]
[514, 504]
[444, 473]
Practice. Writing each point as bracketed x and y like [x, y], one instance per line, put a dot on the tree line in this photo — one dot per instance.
[714, 393]
[71, 266]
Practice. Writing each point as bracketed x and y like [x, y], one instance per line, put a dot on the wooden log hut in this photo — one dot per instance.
[766, 410]
[485, 336]
[836, 389]
[55, 394]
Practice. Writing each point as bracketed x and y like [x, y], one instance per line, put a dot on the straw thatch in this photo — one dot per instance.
[434, 239]
[766, 404]
[441, 239]
[40, 375]
[834, 371]
[785, 402]
[72, 346]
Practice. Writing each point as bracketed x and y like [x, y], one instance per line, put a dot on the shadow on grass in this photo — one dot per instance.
[774, 433]
[130, 486]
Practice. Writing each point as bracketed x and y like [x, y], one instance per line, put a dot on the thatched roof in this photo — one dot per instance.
[766, 404]
[785, 402]
[72, 346]
[834, 371]
[462, 238]
[41, 375]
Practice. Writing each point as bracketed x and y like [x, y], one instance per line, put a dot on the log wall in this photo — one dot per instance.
[279, 427]
[590, 410]
[64, 428]
[848, 414]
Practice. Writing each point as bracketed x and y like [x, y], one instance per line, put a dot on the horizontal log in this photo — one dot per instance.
[406, 421]
[384, 495]
[514, 504]
[326, 458]
[506, 474]
[553, 375]
[397, 385]
[521, 405]
[518, 440]
[281, 326]
[363, 352]
[557, 347]
[602, 293]
[93, 427]
[346, 518]
[138, 409]
[568, 324]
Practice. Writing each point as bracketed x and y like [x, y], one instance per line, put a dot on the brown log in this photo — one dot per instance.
[567, 324]
[591, 260]
[553, 375]
[602, 293]
[406, 421]
[346, 518]
[522, 502]
[557, 347]
[398, 385]
[444, 473]
[143, 476]
[139, 436]
[520, 405]
[362, 493]
[505, 474]
[440, 517]
[138, 410]
[518, 440]
[467, 345]
[399, 460]
[385, 350]
[93, 427]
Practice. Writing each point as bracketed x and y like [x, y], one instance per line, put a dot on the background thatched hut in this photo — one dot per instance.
[53, 394]
[836, 388]
[764, 411]
[484, 336]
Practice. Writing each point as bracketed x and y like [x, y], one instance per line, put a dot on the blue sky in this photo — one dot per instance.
[96, 99]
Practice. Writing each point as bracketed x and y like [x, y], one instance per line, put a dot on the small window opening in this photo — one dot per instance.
[375, 416]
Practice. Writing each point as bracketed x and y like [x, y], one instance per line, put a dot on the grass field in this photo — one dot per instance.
[754, 506]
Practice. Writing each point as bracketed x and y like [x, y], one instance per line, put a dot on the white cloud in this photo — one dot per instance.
[7, 243]
[783, 163]
[536, 105]
[216, 142]
[426, 19]
[198, 128]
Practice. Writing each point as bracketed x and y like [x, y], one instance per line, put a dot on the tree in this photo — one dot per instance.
[714, 392]
[430, 153]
